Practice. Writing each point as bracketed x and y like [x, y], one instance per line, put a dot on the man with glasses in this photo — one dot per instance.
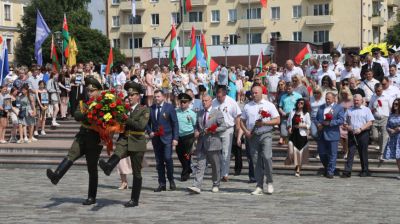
[394, 76]
[326, 72]
[373, 66]
[258, 82]
[376, 52]
[272, 80]
[354, 89]
[291, 70]
[349, 72]
[390, 90]
[336, 66]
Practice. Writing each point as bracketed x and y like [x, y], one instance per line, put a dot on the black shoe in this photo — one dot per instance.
[329, 176]
[108, 166]
[345, 175]
[89, 201]
[252, 181]
[160, 188]
[62, 168]
[172, 186]
[365, 174]
[131, 203]
[237, 172]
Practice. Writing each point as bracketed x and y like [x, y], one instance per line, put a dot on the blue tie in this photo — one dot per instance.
[158, 112]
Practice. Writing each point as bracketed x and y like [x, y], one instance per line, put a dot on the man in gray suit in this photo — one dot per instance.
[210, 123]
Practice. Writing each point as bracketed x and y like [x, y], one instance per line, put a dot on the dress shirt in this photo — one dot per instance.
[368, 87]
[349, 74]
[358, 117]
[159, 107]
[395, 80]
[272, 81]
[287, 102]
[382, 110]
[287, 74]
[229, 108]
[251, 113]
[186, 121]
[328, 108]
[337, 69]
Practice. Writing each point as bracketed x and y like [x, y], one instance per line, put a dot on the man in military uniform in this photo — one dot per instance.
[87, 142]
[132, 142]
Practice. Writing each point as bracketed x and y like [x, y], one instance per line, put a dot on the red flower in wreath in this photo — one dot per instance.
[328, 116]
[125, 117]
[121, 95]
[99, 122]
[90, 115]
[99, 106]
[127, 106]
[113, 105]
[99, 98]
[118, 101]
[101, 114]
[114, 113]
[213, 128]
[379, 103]
[112, 91]
[103, 93]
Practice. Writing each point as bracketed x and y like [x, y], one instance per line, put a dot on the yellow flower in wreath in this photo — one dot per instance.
[107, 117]
[109, 96]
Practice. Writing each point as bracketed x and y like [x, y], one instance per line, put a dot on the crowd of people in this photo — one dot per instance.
[352, 100]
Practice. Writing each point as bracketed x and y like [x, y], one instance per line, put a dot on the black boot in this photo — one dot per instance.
[108, 166]
[62, 168]
[136, 188]
[92, 191]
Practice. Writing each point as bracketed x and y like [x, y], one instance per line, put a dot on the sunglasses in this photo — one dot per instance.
[184, 101]
[92, 90]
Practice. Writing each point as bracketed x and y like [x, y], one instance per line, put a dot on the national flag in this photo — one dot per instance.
[1, 40]
[42, 32]
[192, 63]
[187, 6]
[172, 48]
[110, 62]
[53, 56]
[73, 52]
[133, 8]
[65, 34]
[195, 56]
[4, 66]
[303, 55]
[211, 64]
[263, 3]
[260, 60]
[201, 60]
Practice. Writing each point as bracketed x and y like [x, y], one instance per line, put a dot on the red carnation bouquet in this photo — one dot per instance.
[262, 115]
[107, 114]
[379, 103]
[297, 120]
[160, 131]
[213, 128]
[328, 116]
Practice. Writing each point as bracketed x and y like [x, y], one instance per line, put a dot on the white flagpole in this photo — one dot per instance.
[183, 29]
[133, 35]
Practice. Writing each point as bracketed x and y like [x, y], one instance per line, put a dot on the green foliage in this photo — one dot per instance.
[393, 37]
[92, 45]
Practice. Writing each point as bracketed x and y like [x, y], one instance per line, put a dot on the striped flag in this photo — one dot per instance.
[110, 62]
[260, 60]
[173, 49]
[53, 56]
[263, 3]
[187, 7]
[65, 34]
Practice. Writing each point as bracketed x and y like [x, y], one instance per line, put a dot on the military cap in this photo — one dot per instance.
[92, 84]
[376, 49]
[184, 97]
[133, 87]
[391, 50]
[352, 53]
[335, 53]
[223, 87]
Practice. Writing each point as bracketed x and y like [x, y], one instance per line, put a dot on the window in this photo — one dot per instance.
[297, 36]
[215, 39]
[9, 46]
[138, 43]
[233, 39]
[232, 17]
[255, 38]
[321, 9]
[156, 41]
[253, 13]
[116, 44]
[276, 12]
[135, 20]
[276, 35]
[115, 21]
[296, 11]
[115, 2]
[7, 12]
[155, 19]
[176, 17]
[321, 36]
[195, 16]
[153, 1]
[215, 16]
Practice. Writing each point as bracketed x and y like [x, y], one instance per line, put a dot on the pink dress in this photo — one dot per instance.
[343, 131]
[149, 84]
[124, 166]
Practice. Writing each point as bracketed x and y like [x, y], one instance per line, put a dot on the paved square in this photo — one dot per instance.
[28, 197]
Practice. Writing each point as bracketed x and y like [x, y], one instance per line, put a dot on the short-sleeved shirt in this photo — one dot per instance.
[358, 117]
[381, 104]
[251, 113]
[272, 82]
[368, 87]
[288, 102]
[287, 75]
[186, 121]
[34, 82]
[229, 108]
[395, 80]
[322, 74]
[337, 69]
[353, 73]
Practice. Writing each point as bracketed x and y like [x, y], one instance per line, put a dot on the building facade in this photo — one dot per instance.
[352, 23]
[11, 12]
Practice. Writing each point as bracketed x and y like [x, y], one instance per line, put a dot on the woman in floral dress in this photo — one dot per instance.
[392, 150]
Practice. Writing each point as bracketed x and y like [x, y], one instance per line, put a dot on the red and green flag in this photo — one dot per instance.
[53, 56]
[260, 60]
[174, 58]
[192, 53]
[263, 3]
[110, 62]
[65, 34]
[303, 55]
[211, 64]
[187, 6]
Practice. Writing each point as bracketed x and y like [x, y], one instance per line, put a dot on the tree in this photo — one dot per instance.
[92, 44]
[393, 37]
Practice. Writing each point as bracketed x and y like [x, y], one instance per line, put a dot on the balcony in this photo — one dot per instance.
[393, 2]
[254, 23]
[247, 1]
[319, 20]
[197, 26]
[392, 22]
[378, 21]
[199, 2]
[127, 5]
[137, 28]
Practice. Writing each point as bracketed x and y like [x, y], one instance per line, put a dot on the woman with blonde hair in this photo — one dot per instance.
[346, 101]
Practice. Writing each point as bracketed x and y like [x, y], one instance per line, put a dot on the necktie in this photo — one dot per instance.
[205, 118]
[158, 113]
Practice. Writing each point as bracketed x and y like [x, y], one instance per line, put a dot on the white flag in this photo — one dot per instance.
[177, 54]
[133, 8]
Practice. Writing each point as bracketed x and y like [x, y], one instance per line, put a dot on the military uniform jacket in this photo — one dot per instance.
[135, 128]
[209, 141]
[85, 134]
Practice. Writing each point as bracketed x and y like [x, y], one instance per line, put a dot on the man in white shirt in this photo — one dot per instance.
[389, 90]
[394, 76]
[349, 72]
[368, 85]
[231, 111]
[290, 71]
[380, 106]
[121, 77]
[272, 80]
[326, 72]
[336, 66]
[257, 121]
[376, 52]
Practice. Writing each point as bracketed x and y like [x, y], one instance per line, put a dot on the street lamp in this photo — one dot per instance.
[159, 44]
[59, 42]
[225, 45]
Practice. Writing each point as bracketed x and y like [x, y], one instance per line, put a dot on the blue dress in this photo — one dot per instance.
[392, 150]
[232, 87]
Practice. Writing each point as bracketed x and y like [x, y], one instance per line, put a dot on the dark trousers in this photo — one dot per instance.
[237, 152]
[328, 154]
[360, 143]
[249, 160]
[163, 154]
[183, 150]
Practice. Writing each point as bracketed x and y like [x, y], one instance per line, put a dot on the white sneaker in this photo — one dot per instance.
[398, 177]
[42, 133]
[258, 191]
[270, 189]
[3, 142]
[34, 139]
[35, 133]
[215, 189]
[26, 140]
[194, 190]
[20, 141]
[53, 123]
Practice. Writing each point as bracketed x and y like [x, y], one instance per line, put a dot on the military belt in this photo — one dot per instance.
[134, 132]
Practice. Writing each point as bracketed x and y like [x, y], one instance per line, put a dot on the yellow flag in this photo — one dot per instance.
[73, 52]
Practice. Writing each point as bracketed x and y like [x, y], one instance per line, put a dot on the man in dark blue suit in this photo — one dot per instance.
[329, 117]
[164, 131]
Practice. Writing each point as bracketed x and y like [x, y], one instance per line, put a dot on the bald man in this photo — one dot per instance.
[291, 70]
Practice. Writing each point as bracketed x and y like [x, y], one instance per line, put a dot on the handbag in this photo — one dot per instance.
[22, 114]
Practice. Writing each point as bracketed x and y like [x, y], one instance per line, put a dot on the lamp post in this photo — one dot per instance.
[59, 41]
[225, 45]
[159, 44]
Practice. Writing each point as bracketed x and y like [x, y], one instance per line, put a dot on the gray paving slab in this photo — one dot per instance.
[27, 196]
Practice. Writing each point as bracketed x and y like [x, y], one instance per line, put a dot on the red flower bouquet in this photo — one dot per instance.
[328, 117]
[213, 128]
[160, 131]
[297, 120]
[106, 116]
[379, 103]
[264, 114]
